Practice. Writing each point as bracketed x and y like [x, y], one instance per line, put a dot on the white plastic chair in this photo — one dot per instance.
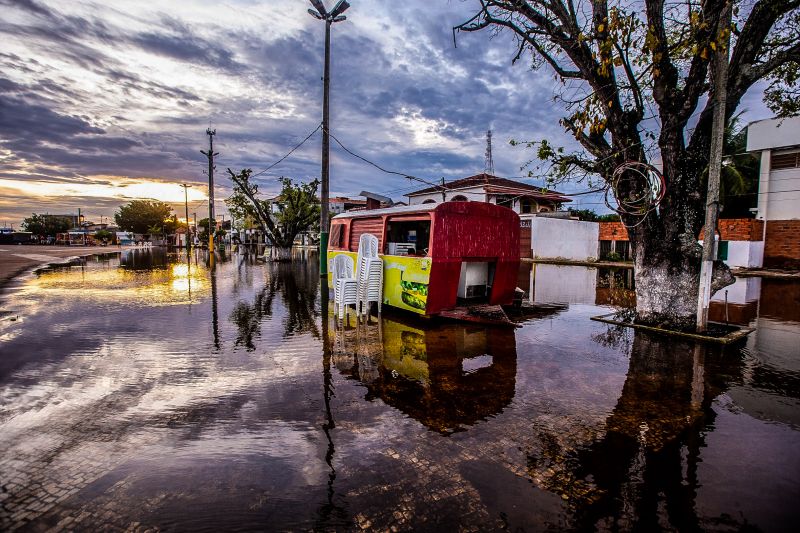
[345, 285]
[369, 274]
[370, 285]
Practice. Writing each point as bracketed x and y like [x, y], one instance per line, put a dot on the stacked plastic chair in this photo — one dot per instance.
[345, 285]
[370, 275]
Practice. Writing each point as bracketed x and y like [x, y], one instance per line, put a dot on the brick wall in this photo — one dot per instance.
[782, 245]
[612, 231]
[739, 229]
[731, 229]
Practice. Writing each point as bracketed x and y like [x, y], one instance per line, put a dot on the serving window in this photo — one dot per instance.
[408, 236]
[336, 236]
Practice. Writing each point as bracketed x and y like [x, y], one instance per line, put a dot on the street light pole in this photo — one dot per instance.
[714, 167]
[335, 15]
[186, 206]
[210, 154]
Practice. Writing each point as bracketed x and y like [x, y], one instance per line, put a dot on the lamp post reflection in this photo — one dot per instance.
[214, 302]
[330, 512]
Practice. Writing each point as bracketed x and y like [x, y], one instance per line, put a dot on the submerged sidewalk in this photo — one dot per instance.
[16, 259]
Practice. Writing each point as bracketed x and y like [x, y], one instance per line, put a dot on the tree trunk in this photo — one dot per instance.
[667, 255]
[278, 253]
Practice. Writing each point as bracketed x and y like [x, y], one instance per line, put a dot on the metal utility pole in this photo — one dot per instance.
[210, 154]
[324, 219]
[714, 166]
[194, 228]
[186, 206]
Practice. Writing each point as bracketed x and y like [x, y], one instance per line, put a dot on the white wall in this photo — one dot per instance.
[473, 194]
[553, 238]
[783, 200]
[563, 284]
[773, 133]
[744, 253]
[743, 290]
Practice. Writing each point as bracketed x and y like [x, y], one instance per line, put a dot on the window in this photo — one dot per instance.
[429, 201]
[505, 200]
[784, 161]
[605, 249]
[526, 205]
[408, 237]
[459, 198]
[335, 239]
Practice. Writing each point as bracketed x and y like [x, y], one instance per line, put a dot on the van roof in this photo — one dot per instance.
[361, 213]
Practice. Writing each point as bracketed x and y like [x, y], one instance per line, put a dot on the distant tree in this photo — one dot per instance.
[202, 224]
[46, 225]
[104, 235]
[139, 216]
[295, 211]
[586, 215]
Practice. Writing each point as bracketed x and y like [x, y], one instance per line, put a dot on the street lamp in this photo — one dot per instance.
[186, 206]
[335, 15]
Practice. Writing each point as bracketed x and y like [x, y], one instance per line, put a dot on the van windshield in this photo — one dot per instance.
[408, 237]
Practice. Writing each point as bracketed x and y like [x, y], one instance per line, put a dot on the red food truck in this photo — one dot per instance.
[437, 257]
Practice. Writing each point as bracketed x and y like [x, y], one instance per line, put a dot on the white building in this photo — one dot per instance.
[520, 197]
[777, 141]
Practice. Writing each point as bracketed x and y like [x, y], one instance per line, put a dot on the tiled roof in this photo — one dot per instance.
[494, 181]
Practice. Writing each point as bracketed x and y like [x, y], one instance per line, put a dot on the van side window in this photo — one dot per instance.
[408, 237]
[335, 239]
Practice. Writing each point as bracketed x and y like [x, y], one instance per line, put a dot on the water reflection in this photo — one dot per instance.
[447, 377]
[296, 285]
[246, 408]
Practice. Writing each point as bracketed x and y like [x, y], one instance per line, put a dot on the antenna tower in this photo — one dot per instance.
[488, 166]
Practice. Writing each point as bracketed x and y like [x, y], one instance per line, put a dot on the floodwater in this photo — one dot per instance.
[149, 392]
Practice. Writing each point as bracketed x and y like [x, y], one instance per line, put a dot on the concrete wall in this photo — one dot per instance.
[563, 284]
[745, 253]
[744, 290]
[553, 238]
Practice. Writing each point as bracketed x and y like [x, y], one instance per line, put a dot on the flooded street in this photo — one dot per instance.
[151, 392]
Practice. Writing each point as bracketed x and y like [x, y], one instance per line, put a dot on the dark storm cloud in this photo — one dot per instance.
[184, 45]
[374, 81]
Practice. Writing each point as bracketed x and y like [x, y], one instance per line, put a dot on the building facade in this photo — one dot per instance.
[520, 197]
[777, 141]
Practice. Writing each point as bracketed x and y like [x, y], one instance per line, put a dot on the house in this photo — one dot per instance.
[340, 204]
[521, 197]
[777, 141]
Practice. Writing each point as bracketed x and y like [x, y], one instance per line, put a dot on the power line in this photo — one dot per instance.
[301, 143]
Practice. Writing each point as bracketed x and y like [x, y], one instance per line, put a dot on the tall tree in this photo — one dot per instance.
[140, 216]
[635, 77]
[294, 211]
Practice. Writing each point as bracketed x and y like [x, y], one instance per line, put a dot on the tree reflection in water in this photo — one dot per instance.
[642, 473]
[297, 285]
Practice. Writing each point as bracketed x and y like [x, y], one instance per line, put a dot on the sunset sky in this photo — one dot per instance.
[102, 102]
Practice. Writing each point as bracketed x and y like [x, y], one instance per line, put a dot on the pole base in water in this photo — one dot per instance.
[323, 253]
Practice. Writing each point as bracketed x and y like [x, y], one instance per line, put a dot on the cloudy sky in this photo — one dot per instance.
[102, 102]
